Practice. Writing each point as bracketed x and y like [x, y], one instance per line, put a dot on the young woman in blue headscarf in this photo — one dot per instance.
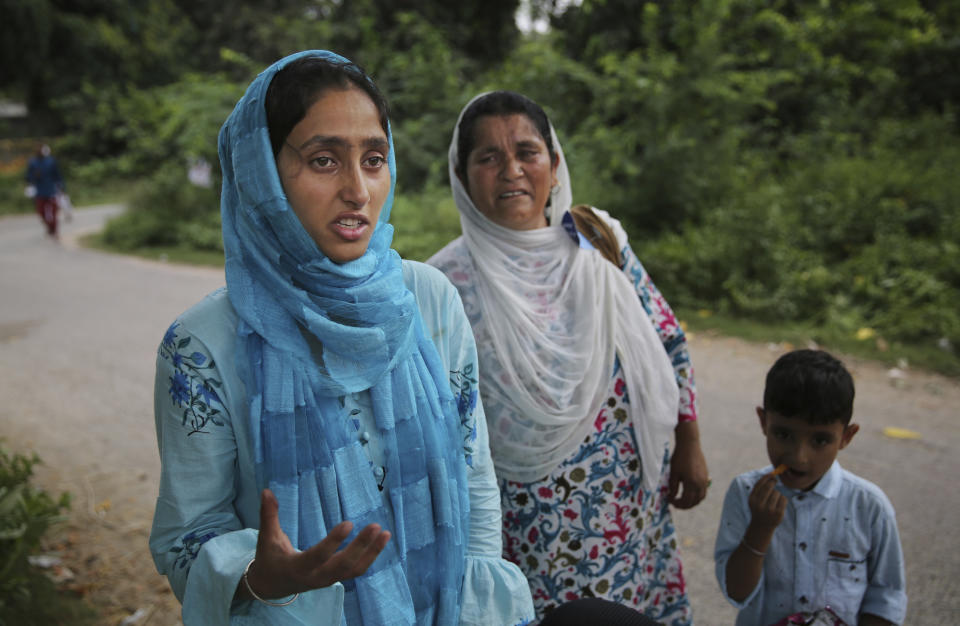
[324, 452]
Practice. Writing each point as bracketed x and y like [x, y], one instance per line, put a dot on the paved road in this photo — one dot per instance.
[78, 335]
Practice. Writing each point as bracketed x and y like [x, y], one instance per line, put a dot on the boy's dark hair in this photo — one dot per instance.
[812, 385]
[301, 83]
[499, 103]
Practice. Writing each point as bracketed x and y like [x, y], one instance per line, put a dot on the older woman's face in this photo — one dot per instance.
[509, 172]
[333, 168]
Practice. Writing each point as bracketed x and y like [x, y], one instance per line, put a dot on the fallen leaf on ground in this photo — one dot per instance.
[900, 433]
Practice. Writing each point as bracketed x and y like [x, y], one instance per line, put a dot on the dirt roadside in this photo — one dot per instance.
[78, 335]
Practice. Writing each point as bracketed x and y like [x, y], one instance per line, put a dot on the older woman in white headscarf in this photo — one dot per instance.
[586, 375]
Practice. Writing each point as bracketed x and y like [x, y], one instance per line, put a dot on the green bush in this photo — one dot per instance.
[12, 199]
[26, 514]
[864, 239]
[168, 210]
[424, 223]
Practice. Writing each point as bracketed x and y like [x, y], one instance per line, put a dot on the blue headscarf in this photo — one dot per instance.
[366, 334]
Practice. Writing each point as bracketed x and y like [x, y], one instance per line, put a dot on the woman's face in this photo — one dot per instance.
[509, 172]
[333, 168]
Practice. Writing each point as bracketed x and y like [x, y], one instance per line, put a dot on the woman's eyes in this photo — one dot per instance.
[493, 159]
[325, 162]
[322, 161]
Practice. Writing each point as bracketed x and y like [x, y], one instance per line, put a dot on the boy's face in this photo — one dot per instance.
[808, 450]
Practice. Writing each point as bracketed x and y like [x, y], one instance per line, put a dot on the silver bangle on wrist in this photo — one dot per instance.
[743, 542]
[253, 593]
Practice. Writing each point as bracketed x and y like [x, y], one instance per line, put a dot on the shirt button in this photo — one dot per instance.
[803, 545]
[364, 437]
[801, 497]
[378, 472]
[803, 599]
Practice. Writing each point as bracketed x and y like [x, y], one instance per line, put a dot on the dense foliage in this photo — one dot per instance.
[773, 160]
[27, 596]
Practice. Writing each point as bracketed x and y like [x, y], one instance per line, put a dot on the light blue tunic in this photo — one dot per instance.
[204, 529]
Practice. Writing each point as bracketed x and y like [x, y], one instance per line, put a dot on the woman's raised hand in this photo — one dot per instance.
[279, 570]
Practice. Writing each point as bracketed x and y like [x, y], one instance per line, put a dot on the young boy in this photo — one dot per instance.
[809, 536]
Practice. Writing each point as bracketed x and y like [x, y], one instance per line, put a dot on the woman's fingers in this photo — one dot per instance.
[326, 567]
[690, 495]
[268, 575]
[269, 511]
[323, 551]
[271, 536]
[673, 488]
[281, 570]
[364, 549]
[688, 470]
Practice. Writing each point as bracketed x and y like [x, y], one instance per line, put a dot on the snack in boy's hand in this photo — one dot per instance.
[779, 470]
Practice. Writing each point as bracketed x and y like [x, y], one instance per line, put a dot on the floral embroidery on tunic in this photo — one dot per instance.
[187, 553]
[191, 385]
[465, 383]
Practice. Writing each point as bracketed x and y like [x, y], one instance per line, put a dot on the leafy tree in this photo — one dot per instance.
[52, 48]
[247, 27]
[485, 31]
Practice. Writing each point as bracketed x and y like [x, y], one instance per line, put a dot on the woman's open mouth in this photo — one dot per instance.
[350, 228]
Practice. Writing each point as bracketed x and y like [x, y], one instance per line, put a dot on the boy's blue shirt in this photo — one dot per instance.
[837, 546]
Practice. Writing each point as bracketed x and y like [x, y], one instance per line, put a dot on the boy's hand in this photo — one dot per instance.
[767, 505]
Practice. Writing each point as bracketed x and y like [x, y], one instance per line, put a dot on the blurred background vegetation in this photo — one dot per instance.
[781, 163]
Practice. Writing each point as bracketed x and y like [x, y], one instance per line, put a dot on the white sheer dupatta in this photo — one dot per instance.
[557, 316]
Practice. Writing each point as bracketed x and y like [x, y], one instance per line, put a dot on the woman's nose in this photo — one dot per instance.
[354, 188]
[512, 168]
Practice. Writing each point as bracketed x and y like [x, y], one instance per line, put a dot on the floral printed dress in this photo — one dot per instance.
[589, 529]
